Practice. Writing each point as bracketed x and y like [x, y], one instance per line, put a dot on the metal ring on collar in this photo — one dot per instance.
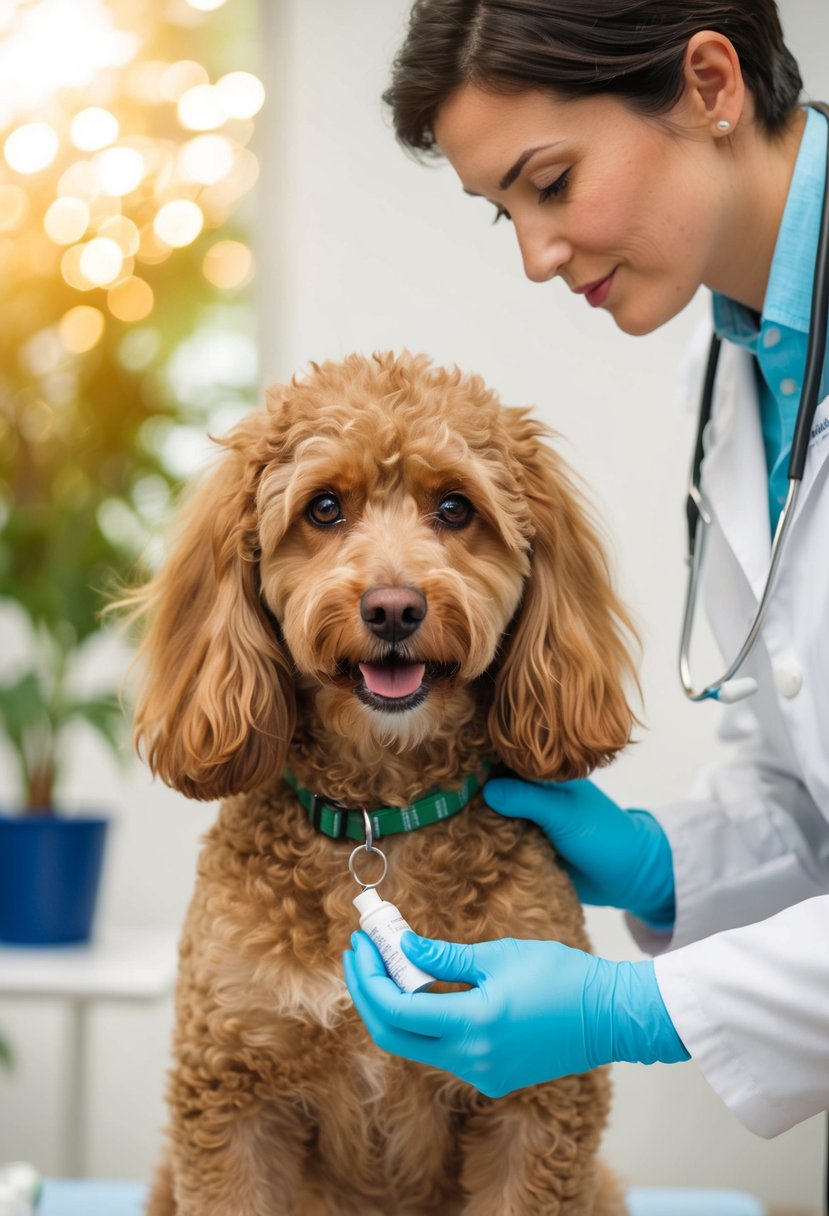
[365, 848]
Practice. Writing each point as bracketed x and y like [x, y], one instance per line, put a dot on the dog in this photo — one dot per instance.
[388, 583]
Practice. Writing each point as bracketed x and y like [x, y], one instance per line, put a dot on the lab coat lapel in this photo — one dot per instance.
[734, 475]
[816, 453]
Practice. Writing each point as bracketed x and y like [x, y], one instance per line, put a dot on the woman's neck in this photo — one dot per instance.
[761, 173]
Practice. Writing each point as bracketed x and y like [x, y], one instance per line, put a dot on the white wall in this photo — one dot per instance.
[360, 250]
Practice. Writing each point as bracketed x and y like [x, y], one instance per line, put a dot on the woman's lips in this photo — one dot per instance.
[596, 293]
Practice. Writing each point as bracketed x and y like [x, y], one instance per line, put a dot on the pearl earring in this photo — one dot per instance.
[723, 125]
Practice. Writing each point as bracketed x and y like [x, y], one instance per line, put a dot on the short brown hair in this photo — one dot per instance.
[633, 49]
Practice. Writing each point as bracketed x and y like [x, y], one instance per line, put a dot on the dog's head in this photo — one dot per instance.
[391, 545]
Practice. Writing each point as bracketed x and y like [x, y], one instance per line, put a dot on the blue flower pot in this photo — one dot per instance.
[50, 870]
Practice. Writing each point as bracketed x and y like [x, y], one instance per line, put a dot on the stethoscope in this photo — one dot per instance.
[726, 688]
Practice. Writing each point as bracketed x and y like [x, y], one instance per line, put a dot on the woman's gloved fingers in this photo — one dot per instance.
[388, 1014]
[388, 1038]
[575, 815]
[427, 1015]
[527, 800]
[444, 960]
[618, 857]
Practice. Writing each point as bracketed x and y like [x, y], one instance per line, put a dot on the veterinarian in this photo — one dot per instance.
[642, 150]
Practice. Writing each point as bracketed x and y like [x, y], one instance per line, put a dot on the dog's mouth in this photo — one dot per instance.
[394, 683]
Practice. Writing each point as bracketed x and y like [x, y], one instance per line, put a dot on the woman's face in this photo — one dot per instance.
[631, 214]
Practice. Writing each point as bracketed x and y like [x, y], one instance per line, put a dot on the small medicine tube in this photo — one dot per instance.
[385, 926]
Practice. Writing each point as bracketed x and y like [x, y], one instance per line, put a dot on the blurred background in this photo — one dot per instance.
[197, 197]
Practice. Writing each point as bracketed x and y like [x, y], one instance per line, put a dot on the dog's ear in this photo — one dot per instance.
[216, 709]
[560, 707]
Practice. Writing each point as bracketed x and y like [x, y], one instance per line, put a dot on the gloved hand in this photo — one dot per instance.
[615, 857]
[538, 1010]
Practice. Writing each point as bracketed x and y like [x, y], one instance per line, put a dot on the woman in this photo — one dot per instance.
[642, 149]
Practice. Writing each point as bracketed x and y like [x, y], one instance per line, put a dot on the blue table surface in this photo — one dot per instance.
[74, 1197]
[64, 1197]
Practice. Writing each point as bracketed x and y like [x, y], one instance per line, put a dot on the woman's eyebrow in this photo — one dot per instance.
[511, 174]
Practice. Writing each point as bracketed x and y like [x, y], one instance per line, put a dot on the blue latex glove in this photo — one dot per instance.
[615, 857]
[538, 1010]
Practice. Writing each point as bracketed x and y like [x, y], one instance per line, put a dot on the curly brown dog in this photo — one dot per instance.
[387, 582]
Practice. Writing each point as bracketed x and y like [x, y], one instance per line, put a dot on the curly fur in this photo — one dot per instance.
[279, 1101]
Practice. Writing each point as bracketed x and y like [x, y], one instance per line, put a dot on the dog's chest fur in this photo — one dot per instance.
[273, 954]
[266, 978]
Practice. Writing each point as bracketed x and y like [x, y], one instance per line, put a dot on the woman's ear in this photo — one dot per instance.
[714, 86]
[560, 707]
[216, 708]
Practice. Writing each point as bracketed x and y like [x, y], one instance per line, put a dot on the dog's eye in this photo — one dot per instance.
[455, 511]
[324, 511]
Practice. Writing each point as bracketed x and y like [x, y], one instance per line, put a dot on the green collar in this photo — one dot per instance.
[344, 823]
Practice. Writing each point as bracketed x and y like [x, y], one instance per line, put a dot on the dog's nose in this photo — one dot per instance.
[393, 613]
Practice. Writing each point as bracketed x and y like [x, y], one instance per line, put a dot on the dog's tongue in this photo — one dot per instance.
[396, 681]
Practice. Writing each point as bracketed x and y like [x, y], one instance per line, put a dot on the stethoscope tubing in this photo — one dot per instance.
[816, 353]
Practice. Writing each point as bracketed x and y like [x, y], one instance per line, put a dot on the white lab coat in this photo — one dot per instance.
[751, 1003]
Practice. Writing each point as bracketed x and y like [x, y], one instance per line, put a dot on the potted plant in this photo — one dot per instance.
[73, 466]
[84, 484]
[54, 559]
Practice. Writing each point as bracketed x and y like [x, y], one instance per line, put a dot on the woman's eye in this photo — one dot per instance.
[455, 511]
[556, 188]
[324, 511]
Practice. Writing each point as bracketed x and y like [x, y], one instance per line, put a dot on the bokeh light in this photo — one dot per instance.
[131, 300]
[120, 146]
[228, 265]
[206, 159]
[202, 108]
[119, 170]
[152, 251]
[120, 190]
[66, 220]
[101, 261]
[79, 181]
[81, 328]
[178, 223]
[93, 128]
[58, 44]
[176, 79]
[44, 352]
[124, 232]
[70, 269]
[242, 94]
[31, 147]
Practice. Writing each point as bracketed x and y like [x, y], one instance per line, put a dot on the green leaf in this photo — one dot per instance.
[104, 715]
[23, 706]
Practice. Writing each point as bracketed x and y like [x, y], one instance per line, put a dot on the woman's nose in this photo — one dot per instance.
[542, 252]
